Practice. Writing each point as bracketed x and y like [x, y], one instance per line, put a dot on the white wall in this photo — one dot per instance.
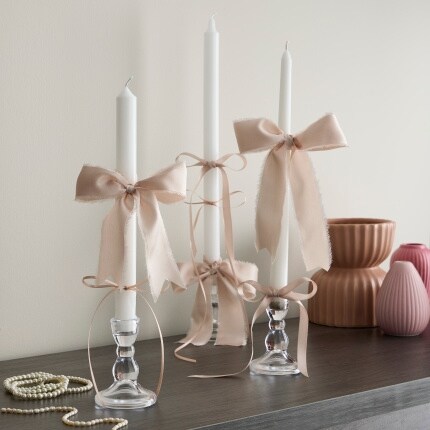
[63, 62]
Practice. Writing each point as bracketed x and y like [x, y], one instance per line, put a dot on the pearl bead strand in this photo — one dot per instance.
[42, 385]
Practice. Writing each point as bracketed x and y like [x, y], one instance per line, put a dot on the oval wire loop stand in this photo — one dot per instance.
[125, 392]
[276, 360]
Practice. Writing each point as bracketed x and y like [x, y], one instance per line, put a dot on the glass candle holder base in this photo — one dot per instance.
[125, 392]
[276, 360]
[274, 363]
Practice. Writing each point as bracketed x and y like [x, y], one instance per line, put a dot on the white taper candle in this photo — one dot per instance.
[211, 140]
[279, 268]
[125, 301]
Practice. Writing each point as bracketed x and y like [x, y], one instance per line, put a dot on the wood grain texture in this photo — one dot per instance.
[354, 374]
[416, 418]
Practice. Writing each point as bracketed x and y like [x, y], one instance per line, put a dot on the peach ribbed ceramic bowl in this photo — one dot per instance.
[360, 242]
[346, 294]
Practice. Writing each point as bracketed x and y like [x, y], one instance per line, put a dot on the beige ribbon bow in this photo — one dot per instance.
[268, 293]
[167, 186]
[289, 162]
[233, 322]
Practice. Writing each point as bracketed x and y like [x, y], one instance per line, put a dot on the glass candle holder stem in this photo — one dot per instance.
[214, 304]
[276, 360]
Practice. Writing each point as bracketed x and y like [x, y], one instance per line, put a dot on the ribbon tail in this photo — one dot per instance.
[200, 329]
[232, 319]
[197, 331]
[302, 339]
[113, 242]
[187, 273]
[161, 265]
[270, 200]
[309, 212]
[228, 223]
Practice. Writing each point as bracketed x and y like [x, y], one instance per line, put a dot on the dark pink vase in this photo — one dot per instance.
[419, 255]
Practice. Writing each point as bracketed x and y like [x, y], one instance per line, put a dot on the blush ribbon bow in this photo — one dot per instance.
[233, 322]
[167, 186]
[289, 162]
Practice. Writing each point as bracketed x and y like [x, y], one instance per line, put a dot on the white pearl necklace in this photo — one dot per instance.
[42, 385]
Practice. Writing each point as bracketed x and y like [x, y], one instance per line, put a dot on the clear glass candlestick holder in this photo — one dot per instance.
[125, 392]
[276, 360]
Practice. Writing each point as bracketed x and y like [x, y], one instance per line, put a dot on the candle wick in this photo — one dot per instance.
[214, 15]
[129, 80]
[286, 45]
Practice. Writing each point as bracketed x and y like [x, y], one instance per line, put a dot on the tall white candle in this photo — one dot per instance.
[211, 140]
[125, 301]
[279, 268]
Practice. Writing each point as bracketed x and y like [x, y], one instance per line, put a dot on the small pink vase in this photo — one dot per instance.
[402, 303]
[419, 255]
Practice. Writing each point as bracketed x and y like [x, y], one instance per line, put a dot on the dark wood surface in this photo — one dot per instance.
[354, 374]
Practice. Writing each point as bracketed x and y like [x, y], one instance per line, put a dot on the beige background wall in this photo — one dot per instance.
[63, 62]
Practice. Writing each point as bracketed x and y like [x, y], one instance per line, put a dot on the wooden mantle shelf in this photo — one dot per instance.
[356, 375]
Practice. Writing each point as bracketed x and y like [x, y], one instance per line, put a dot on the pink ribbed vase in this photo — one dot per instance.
[419, 255]
[402, 303]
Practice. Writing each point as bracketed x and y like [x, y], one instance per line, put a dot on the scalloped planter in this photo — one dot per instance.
[419, 255]
[347, 293]
[402, 307]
